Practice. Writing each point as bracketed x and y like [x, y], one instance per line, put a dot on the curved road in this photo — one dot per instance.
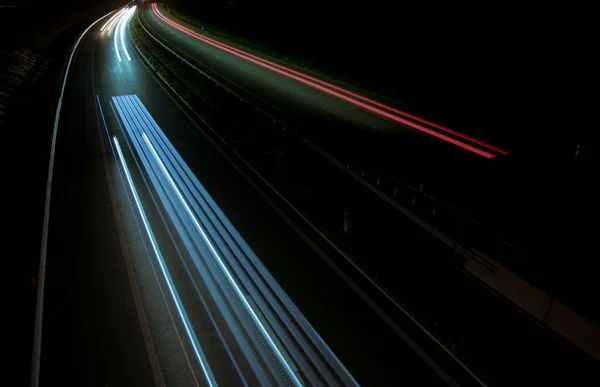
[167, 266]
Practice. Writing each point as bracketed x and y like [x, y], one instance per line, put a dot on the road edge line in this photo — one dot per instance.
[39, 309]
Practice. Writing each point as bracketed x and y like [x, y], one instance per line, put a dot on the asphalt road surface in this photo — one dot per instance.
[166, 266]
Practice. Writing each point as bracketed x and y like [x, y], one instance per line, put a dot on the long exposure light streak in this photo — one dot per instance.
[223, 266]
[193, 339]
[115, 35]
[122, 30]
[354, 98]
[110, 21]
[121, 22]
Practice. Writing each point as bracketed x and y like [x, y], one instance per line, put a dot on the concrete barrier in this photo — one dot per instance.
[553, 314]
[577, 329]
[529, 298]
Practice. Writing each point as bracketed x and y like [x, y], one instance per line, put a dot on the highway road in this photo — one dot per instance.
[166, 265]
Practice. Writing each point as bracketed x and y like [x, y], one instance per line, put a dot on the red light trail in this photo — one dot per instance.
[344, 94]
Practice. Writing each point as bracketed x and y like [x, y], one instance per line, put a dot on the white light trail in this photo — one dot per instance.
[198, 351]
[115, 39]
[122, 21]
[123, 24]
[112, 19]
[223, 267]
